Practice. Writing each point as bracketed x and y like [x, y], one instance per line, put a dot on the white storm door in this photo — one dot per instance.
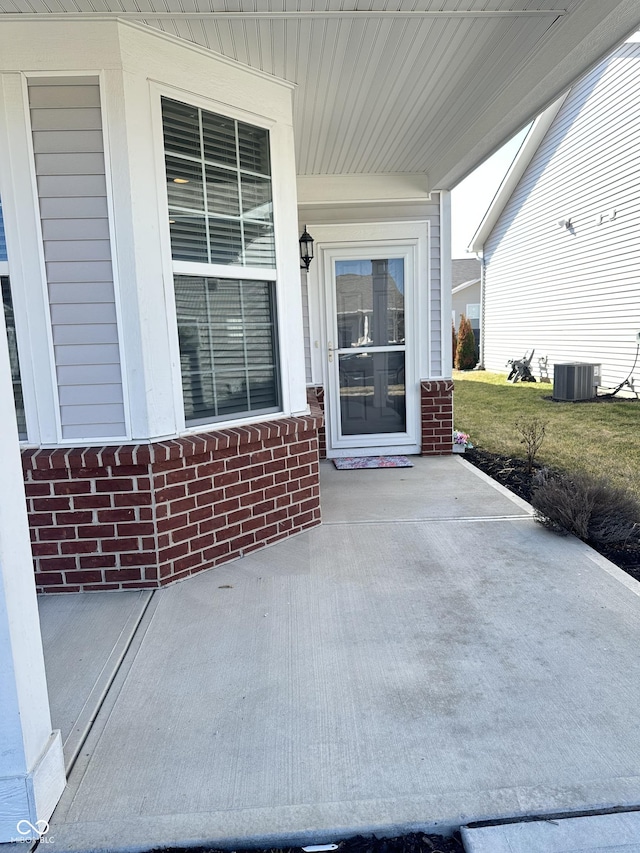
[373, 393]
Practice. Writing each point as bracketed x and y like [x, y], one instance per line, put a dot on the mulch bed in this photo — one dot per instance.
[512, 473]
[414, 842]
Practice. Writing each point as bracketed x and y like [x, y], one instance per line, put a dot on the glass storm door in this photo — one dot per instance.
[369, 364]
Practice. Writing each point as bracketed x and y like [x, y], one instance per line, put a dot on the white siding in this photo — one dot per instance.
[70, 171]
[574, 294]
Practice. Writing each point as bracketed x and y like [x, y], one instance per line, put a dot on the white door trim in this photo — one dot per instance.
[373, 239]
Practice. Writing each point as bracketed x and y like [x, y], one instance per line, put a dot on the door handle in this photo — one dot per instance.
[330, 350]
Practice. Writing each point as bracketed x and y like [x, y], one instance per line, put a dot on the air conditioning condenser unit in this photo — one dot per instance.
[575, 381]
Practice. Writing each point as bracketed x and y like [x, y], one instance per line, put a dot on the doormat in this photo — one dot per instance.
[351, 463]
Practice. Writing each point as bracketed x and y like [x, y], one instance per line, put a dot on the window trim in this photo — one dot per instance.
[170, 267]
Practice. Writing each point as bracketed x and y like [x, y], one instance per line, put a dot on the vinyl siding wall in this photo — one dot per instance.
[70, 170]
[574, 294]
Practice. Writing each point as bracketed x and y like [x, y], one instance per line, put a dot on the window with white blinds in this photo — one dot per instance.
[221, 218]
[219, 188]
[13, 355]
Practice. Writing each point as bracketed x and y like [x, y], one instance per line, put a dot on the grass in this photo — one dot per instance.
[599, 438]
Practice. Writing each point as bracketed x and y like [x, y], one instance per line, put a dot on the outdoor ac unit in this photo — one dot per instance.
[575, 381]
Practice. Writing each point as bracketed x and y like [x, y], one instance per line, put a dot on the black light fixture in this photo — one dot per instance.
[306, 249]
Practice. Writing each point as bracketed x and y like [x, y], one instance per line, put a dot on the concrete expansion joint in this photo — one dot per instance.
[433, 519]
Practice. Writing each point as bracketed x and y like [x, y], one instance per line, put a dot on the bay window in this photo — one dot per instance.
[220, 213]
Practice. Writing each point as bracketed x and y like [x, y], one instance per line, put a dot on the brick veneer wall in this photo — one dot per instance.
[436, 417]
[315, 398]
[145, 515]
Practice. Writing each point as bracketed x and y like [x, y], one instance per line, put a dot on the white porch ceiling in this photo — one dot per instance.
[391, 86]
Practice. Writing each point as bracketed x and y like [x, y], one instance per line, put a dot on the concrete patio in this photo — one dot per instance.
[428, 657]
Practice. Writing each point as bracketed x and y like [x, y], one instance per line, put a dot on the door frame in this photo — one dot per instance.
[381, 239]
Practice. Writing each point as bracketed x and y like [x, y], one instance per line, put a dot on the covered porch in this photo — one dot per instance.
[426, 658]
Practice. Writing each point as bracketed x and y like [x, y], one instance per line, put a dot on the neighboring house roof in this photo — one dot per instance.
[464, 270]
[517, 169]
[465, 285]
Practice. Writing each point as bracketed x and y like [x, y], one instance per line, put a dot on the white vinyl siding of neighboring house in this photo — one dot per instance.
[574, 294]
[70, 172]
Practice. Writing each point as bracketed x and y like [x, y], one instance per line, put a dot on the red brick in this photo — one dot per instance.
[201, 542]
[97, 561]
[87, 546]
[173, 522]
[174, 551]
[122, 575]
[228, 478]
[136, 528]
[56, 534]
[49, 578]
[182, 534]
[198, 486]
[44, 549]
[74, 517]
[50, 504]
[40, 519]
[134, 499]
[117, 514]
[209, 469]
[75, 487]
[114, 484]
[219, 550]
[96, 531]
[187, 562]
[116, 546]
[91, 501]
[239, 515]
[187, 504]
[83, 577]
[57, 563]
[35, 490]
[142, 558]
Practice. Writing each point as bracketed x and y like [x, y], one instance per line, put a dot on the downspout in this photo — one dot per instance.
[480, 364]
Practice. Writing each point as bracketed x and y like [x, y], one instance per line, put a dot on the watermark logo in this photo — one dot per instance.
[31, 831]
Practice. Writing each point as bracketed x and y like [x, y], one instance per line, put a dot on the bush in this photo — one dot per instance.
[466, 348]
[454, 342]
[532, 434]
[588, 507]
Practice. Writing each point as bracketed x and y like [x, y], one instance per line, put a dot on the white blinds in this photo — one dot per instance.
[227, 338]
[219, 188]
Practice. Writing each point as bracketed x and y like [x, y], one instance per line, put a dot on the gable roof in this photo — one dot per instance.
[464, 271]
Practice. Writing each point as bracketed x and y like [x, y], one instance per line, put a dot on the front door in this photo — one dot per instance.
[370, 365]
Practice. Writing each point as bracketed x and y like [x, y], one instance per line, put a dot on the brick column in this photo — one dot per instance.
[436, 417]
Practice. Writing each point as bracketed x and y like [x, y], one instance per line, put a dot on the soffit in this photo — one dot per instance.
[391, 86]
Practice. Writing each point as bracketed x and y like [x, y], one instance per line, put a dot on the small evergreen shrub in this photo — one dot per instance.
[466, 347]
[454, 342]
[587, 506]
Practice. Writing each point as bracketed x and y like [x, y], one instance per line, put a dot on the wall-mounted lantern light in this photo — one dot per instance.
[306, 249]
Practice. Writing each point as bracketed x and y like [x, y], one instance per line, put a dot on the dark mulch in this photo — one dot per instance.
[513, 474]
[414, 842]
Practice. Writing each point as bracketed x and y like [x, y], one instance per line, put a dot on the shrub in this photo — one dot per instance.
[466, 348]
[532, 433]
[454, 342]
[589, 507]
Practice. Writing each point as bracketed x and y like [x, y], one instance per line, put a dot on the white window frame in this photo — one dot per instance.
[171, 267]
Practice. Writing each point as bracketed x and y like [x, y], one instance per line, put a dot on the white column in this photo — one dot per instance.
[32, 774]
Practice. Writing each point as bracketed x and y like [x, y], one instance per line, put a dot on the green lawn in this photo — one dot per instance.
[601, 438]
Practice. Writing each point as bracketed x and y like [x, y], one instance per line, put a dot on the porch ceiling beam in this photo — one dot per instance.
[279, 16]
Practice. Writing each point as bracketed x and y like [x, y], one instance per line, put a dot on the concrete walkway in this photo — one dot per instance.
[428, 657]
